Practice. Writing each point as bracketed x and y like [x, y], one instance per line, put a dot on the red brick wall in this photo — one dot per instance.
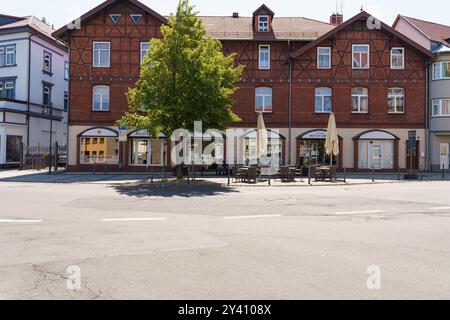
[125, 38]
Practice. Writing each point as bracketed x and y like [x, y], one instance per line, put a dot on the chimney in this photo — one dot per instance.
[336, 19]
[235, 14]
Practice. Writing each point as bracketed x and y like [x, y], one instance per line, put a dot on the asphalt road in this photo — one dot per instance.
[211, 242]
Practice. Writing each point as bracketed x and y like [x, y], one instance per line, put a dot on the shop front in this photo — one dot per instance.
[146, 152]
[99, 146]
[275, 148]
[311, 149]
[376, 150]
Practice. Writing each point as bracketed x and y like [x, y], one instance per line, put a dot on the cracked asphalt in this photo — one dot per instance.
[207, 241]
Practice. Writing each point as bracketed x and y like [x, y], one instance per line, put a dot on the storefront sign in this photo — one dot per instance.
[315, 135]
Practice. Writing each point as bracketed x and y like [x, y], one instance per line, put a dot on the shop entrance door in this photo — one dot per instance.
[444, 156]
[376, 156]
[13, 149]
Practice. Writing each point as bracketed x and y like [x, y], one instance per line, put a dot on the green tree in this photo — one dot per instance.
[184, 78]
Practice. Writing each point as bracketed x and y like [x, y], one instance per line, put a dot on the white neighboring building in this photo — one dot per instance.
[34, 85]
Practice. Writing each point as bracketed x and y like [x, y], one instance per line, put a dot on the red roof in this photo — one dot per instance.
[435, 31]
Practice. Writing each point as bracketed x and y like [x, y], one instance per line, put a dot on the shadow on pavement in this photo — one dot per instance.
[173, 189]
[62, 177]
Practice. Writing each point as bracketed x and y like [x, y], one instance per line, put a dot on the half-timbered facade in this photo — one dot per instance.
[297, 71]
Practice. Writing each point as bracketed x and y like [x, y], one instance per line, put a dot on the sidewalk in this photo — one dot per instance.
[42, 176]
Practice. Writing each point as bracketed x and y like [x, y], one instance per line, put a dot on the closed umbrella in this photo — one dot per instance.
[332, 140]
[261, 137]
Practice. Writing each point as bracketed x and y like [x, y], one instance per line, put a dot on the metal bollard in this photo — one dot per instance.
[345, 175]
[373, 174]
[443, 172]
[93, 168]
[309, 175]
[229, 178]
[106, 167]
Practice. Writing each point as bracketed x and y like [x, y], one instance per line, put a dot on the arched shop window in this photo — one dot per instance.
[274, 150]
[376, 149]
[146, 150]
[311, 149]
[99, 145]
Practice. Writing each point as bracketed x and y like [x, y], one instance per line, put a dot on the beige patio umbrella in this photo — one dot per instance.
[261, 137]
[332, 140]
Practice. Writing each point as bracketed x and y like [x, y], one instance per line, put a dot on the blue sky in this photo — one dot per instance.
[60, 12]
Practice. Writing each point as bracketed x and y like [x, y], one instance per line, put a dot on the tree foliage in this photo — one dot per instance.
[184, 78]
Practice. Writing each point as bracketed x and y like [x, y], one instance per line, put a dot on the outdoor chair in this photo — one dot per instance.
[333, 173]
[286, 175]
[252, 175]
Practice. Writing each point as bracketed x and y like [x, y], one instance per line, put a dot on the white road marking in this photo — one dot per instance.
[134, 219]
[359, 212]
[19, 221]
[194, 248]
[253, 217]
[439, 208]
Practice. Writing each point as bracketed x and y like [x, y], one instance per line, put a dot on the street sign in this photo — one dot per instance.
[123, 137]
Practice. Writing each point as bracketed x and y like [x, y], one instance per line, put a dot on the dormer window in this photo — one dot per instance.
[263, 23]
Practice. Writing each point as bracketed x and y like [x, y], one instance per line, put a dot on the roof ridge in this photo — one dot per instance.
[430, 22]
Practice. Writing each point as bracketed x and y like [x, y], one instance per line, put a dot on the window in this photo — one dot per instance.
[360, 100]
[441, 108]
[7, 56]
[95, 141]
[441, 70]
[396, 100]
[324, 100]
[397, 58]
[145, 48]
[323, 58]
[264, 100]
[66, 70]
[360, 56]
[101, 98]
[9, 88]
[101, 54]
[66, 101]
[90, 152]
[47, 62]
[46, 95]
[263, 23]
[264, 57]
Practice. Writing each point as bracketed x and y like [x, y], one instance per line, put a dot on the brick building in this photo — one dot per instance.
[297, 71]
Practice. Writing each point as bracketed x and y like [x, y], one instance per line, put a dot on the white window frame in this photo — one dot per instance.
[264, 96]
[390, 95]
[8, 86]
[360, 96]
[322, 96]
[402, 67]
[66, 98]
[259, 57]
[66, 70]
[263, 28]
[440, 103]
[97, 52]
[360, 53]
[46, 91]
[101, 99]
[10, 51]
[318, 58]
[47, 57]
[2, 57]
[142, 51]
[440, 65]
